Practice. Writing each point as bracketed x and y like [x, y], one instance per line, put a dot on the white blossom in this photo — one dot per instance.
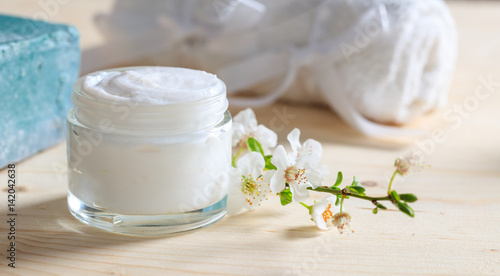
[408, 164]
[299, 168]
[310, 147]
[249, 184]
[341, 221]
[245, 125]
[298, 173]
[321, 212]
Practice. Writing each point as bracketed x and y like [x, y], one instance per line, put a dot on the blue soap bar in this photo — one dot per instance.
[39, 62]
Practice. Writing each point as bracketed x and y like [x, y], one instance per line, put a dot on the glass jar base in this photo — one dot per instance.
[146, 225]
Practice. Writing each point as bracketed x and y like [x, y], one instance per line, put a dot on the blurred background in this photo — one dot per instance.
[383, 66]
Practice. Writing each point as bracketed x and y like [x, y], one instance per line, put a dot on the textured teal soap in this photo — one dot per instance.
[39, 62]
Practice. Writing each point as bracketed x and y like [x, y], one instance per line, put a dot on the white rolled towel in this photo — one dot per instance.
[376, 63]
[405, 71]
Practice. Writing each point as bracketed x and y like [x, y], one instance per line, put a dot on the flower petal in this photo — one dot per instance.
[246, 118]
[321, 224]
[235, 197]
[264, 189]
[311, 146]
[266, 137]
[317, 211]
[251, 163]
[309, 154]
[235, 201]
[317, 216]
[278, 181]
[267, 176]
[299, 191]
[327, 200]
[293, 138]
[314, 178]
[309, 161]
[238, 131]
[323, 170]
[280, 158]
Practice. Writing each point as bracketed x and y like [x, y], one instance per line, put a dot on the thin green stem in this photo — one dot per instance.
[339, 192]
[390, 182]
[233, 162]
[305, 205]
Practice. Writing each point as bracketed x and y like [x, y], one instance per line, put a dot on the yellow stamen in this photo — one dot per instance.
[327, 214]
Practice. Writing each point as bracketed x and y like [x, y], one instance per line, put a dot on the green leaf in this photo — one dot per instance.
[269, 165]
[286, 197]
[405, 208]
[357, 190]
[337, 201]
[375, 210]
[339, 179]
[355, 181]
[395, 196]
[254, 145]
[408, 197]
[381, 206]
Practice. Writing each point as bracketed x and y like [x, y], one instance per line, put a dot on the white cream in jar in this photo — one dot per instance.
[148, 146]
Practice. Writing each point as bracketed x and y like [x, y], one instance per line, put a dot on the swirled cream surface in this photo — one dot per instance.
[152, 85]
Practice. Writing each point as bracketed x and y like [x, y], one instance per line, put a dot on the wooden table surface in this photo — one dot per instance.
[456, 229]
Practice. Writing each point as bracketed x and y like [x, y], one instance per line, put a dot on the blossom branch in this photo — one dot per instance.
[325, 189]
[292, 175]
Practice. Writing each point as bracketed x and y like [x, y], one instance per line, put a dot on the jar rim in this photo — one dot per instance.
[128, 116]
[77, 89]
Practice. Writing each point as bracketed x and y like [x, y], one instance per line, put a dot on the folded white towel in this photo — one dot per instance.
[375, 62]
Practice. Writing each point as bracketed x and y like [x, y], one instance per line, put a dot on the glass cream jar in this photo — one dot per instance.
[149, 149]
